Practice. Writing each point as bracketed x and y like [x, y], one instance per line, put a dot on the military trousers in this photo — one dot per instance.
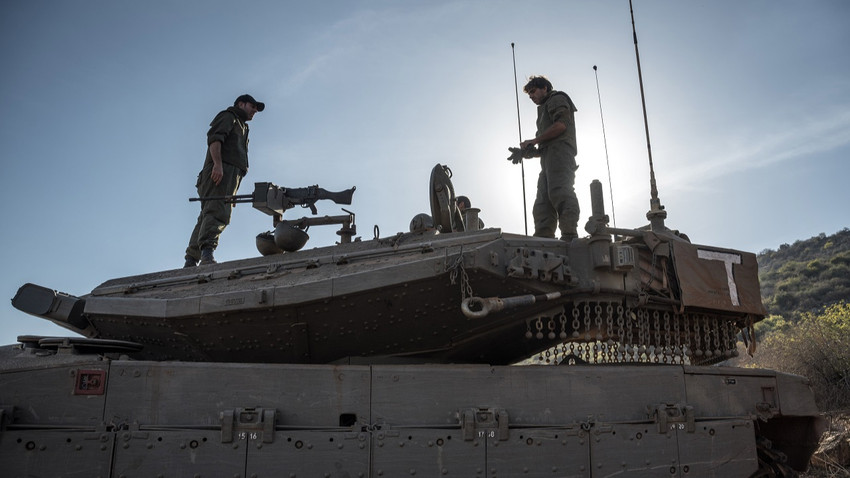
[556, 206]
[215, 214]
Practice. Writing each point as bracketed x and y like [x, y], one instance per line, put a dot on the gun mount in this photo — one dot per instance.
[274, 200]
[290, 236]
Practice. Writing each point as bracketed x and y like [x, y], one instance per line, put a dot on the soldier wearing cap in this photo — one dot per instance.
[225, 165]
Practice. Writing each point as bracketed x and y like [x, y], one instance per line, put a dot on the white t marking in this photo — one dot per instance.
[727, 259]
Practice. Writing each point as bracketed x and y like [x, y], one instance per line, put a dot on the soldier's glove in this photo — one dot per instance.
[518, 153]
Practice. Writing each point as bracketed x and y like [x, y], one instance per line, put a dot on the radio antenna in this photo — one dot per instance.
[656, 214]
[605, 142]
[519, 126]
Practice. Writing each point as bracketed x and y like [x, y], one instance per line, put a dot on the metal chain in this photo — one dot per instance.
[563, 319]
[610, 332]
[576, 324]
[630, 326]
[677, 348]
[667, 341]
[657, 324]
[465, 287]
[642, 338]
[598, 312]
[609, 322]
[621, 330]
[728, 346]
[597, 344]
[697, 344]
[719, 347]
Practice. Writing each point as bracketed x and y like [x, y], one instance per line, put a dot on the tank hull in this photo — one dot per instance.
[404, 297]
[82, 414]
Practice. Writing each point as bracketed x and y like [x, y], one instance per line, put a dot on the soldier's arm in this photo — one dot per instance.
[561, 109]
[550, 133]
[219, 129]
[217, 169]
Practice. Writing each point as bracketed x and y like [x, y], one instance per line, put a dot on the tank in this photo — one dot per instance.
[446, 351]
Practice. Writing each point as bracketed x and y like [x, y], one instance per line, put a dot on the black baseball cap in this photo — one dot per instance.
[250, 99]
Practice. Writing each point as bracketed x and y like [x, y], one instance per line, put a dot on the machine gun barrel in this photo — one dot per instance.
[239, 198]
[274, 200]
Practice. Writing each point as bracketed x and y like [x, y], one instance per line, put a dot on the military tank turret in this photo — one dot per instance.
[395, 356]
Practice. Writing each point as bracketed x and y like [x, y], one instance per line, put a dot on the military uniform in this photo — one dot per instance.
[556, 203]
[229, 127]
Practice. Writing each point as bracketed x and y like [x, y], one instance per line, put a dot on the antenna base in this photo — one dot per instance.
[656, 215]
[598, 222]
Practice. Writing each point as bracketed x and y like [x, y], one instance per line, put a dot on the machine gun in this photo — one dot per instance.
[274, 200]
[289, 235]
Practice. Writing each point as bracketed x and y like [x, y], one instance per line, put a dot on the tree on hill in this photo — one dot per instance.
[805, 276]
[805, 287]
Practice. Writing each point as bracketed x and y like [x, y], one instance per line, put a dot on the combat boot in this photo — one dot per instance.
[190, 261]
[207, 256]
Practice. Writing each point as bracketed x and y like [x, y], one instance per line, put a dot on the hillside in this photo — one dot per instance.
[806, 276]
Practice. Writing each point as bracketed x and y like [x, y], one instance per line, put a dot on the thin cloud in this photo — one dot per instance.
[800, 140]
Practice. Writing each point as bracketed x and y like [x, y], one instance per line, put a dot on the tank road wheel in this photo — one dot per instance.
[772, 463]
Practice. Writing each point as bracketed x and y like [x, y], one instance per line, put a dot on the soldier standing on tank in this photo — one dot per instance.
[556, 205]
[225, 165]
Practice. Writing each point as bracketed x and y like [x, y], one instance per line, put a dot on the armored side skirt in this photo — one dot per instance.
[84, 416]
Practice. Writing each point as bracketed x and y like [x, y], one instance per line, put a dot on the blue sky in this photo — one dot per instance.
[108, 102]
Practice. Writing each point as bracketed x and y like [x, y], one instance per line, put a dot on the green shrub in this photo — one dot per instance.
[817, 347]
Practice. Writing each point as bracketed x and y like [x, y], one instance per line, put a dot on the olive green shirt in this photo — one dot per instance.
[557, 107]
[230, 129]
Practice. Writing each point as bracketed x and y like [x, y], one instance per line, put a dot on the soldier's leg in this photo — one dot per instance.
[216, 214]
[193, 250]
[545, 216]
[562, 175]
